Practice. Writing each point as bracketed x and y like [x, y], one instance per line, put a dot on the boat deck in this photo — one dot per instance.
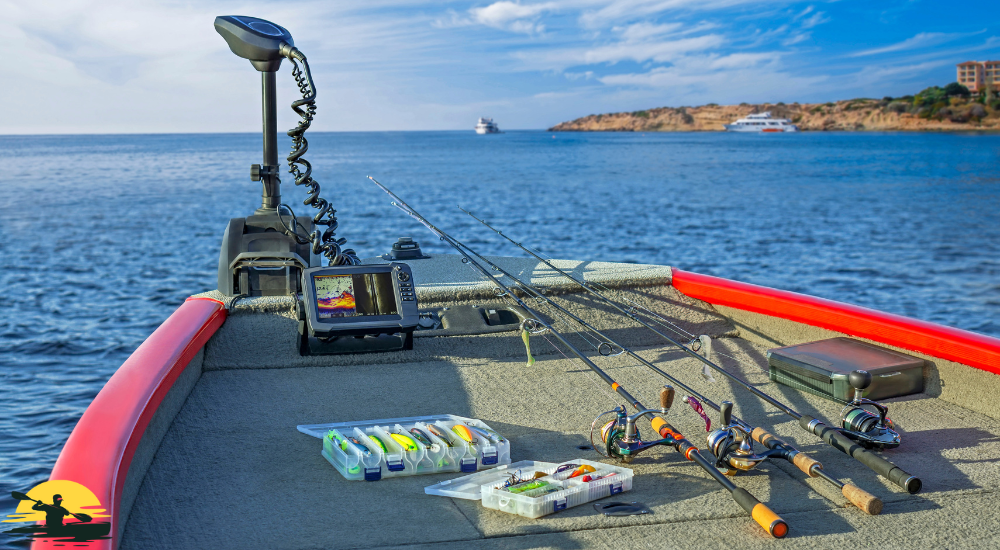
[232, 471]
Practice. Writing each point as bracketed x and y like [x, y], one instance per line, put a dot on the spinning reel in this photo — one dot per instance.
[732, 444]
[620, 437]
[873, 430]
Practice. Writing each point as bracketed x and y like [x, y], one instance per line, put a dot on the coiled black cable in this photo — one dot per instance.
[326, 243]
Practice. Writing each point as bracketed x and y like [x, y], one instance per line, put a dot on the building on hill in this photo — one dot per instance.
[975, 74]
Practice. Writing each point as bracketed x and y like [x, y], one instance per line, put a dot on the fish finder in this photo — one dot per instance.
[351, 309]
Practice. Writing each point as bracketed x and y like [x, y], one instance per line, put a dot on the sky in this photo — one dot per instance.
[128, 66]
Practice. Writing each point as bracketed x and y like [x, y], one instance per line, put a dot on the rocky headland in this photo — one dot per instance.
[933, 109]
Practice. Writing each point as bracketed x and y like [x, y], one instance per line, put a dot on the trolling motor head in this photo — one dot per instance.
[873, 430]
[255, 39]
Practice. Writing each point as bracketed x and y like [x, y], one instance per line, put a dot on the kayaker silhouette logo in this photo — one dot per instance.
[63, 511]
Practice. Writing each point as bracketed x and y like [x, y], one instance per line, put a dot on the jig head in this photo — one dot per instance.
[873, 430]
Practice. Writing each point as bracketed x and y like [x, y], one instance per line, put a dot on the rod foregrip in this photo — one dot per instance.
[802, 461]
[846, 445]
[867, 502]
[771, 522]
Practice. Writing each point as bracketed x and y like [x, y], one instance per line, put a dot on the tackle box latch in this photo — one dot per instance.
[395, 466]
[560, 504]
[470, 464]
[373, 474]
[490, 457]
[616, 488]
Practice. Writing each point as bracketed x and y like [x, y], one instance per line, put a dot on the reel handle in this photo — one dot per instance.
[726, 410]
[666, 398]
[859, 380]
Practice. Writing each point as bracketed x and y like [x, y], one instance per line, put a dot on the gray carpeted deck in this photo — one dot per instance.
[233, 472]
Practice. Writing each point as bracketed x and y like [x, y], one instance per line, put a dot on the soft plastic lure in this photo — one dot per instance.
[527, 346]
[584, 469]
[378, 442]
[463, 431]
[405, 442]
[528, 486]
[420, 436]
[701, 412]
[440, 433]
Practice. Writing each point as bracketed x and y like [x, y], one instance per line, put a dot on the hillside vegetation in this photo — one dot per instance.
[950, 108]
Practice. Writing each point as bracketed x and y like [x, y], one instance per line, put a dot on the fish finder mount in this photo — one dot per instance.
[354, 309]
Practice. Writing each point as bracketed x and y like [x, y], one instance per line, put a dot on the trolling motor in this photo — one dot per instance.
[871, 430]
[342, 307]
[264, 254]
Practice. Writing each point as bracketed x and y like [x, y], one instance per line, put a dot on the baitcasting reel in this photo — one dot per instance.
[873, 430]
[620, 437]
[732, 445]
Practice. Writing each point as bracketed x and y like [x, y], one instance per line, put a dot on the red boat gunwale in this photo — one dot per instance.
[99, 452]
[968, 348]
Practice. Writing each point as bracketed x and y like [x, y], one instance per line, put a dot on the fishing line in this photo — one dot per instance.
[625, 441]
[845, 440]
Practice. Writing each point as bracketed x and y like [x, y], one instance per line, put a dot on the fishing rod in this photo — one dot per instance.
[731, 442]
[851, 440]
[630, 443]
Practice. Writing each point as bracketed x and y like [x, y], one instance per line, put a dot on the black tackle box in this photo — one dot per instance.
[822, 367]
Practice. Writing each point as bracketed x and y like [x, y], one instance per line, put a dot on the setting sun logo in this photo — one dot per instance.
[59, 509]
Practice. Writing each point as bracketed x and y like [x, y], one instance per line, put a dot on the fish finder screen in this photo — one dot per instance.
[358, 295]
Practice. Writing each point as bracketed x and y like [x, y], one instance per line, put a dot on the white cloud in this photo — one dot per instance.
[921, 40]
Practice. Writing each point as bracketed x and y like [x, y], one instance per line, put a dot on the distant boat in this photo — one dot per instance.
[487, 126]
[762, 123]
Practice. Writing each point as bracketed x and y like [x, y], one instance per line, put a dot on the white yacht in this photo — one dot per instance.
[487, 126]
[762, 122]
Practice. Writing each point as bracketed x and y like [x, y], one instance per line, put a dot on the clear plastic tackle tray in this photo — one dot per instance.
[368, 451]
[560, 492]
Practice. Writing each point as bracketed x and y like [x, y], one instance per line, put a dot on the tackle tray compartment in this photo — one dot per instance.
[822, 368]
[567, 492]
[409, 456]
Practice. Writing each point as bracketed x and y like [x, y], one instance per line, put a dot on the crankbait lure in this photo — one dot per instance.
[440, 434]
[482, 434]
[361, 448]
[463, 431]
[405, 442]
[379, 443]
[490, 434]
[420, 436]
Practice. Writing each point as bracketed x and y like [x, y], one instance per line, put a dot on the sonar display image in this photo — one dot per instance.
[335, 296]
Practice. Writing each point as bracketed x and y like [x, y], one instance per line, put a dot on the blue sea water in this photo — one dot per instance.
[102, 237]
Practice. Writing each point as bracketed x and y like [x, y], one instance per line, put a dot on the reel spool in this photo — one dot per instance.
[873, 428]
[732, 445]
